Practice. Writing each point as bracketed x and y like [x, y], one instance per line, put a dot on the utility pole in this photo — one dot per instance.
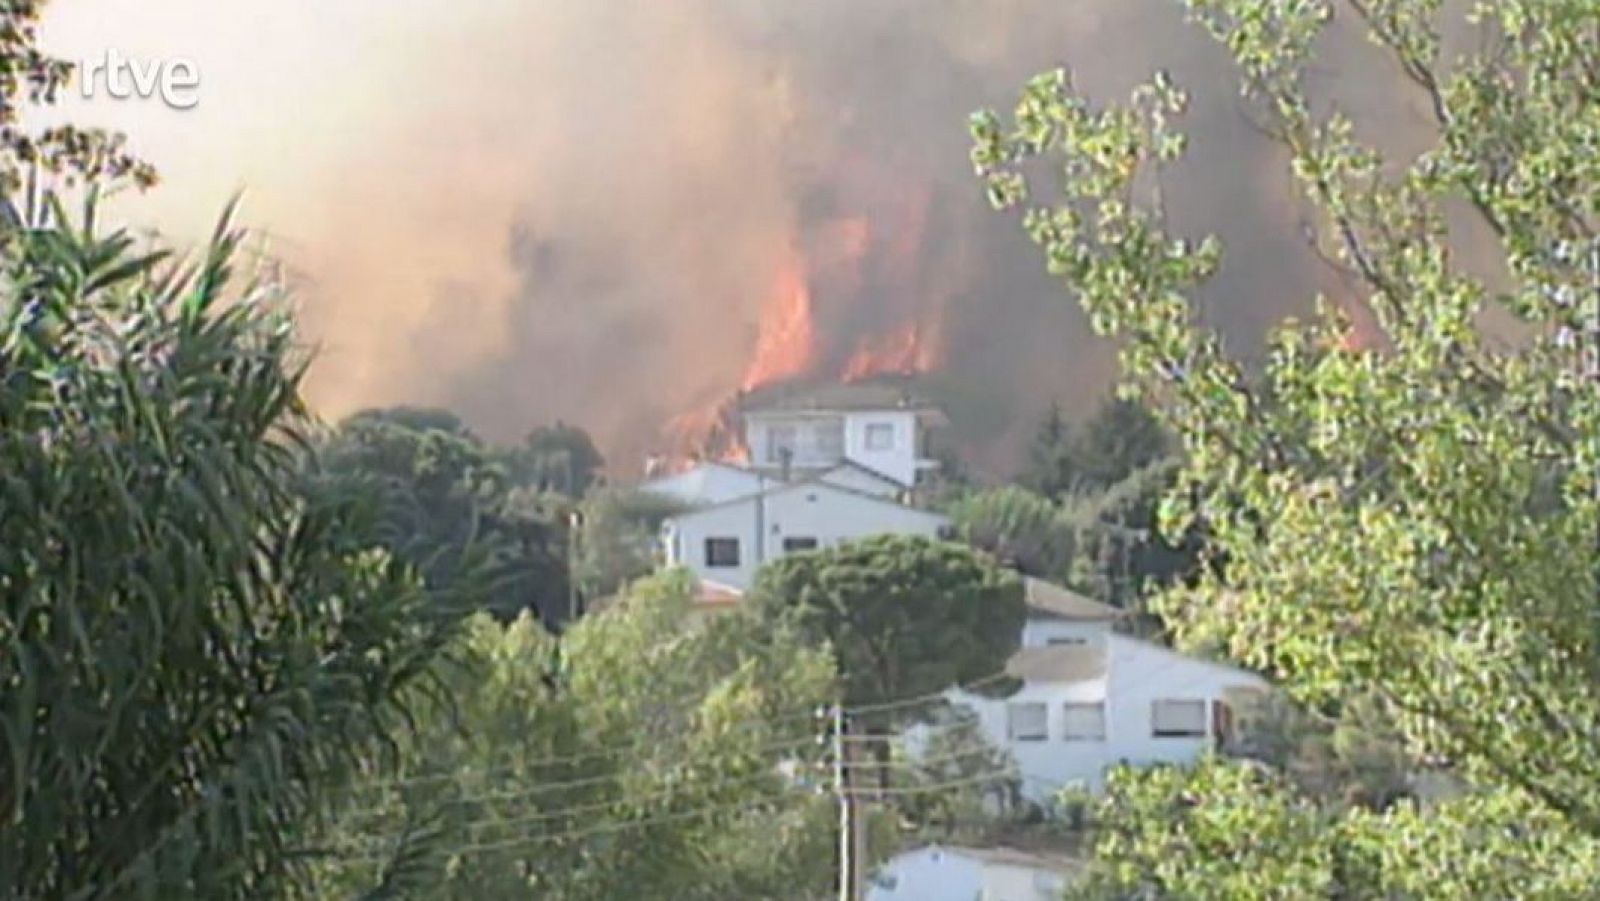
[852, 837]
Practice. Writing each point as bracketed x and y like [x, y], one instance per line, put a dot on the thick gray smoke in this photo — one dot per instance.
[576, 210]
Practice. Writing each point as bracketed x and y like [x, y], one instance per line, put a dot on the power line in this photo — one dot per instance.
[965, 781]
[581, 757]
[605, 829]
[817, 715]
[601, 779]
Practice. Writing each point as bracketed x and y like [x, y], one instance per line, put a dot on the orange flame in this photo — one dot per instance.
[908, 350]
[786, 344]
[834, 256]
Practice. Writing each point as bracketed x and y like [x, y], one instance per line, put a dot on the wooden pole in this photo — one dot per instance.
[852, 838]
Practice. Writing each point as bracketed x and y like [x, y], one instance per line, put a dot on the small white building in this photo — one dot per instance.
[829, 464]
[952, 873]
[1092, 698]
[875, 425]
[727, 542]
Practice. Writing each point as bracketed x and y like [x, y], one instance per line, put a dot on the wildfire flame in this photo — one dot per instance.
[850, 262]
[786, 342]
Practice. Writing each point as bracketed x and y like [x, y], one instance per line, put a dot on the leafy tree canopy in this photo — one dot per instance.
[452, 502]
[646, 748]
[559, 458]
[193, 650]
[1121, 437]
[905, 615]
[1411, 517]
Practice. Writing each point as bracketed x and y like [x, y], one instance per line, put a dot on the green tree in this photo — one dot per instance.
[619, 538]
[905, 617]
[647, 752]
[1123, 556]
[1411, 517]
[1020, 528]
[1122, 437]
[195, 649]
[449, 499]
[1052, 467]
[954, 786]
[560, 458]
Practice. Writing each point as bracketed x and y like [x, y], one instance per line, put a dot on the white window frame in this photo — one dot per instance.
[879, 428]
[1157, 730]
[1014, 731]
[738, 554]
[1098, 733]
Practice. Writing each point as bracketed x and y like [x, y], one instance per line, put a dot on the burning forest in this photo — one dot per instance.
[771, 192]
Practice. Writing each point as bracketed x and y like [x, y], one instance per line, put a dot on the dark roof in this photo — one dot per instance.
[1063, 603]
[1058, 663]
[839, 397]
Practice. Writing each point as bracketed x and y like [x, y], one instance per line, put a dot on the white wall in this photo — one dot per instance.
[1006, 882]
[809, 429]
[1143, 672]
[1046, 766]
[936, 874]
[899, 461]
[926, 874]
[830, 515]
[1138, 673]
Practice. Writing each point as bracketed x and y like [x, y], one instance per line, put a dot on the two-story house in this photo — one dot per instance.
[1092, 697]
[827, 464]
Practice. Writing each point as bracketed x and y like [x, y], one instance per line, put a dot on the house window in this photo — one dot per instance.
[880, 436]
[797, 543]
[1178, 719]
[781, 440]
[1083, 721]
[1027, 721]
[722, 552]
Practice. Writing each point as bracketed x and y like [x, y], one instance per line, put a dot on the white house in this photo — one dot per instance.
[951, 873]
[828, 464]
[714, 482]
[1092, 698]
[711, 482]
[727, 542]
[876, 426]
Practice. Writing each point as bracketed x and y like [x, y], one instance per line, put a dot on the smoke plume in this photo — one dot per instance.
[581, 210]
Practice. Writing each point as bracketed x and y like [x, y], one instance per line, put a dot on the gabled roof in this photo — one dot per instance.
[691, 482]
[863, 468]
[1063, 603]
[1058, 663]
[822, 472]
[809, 484]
